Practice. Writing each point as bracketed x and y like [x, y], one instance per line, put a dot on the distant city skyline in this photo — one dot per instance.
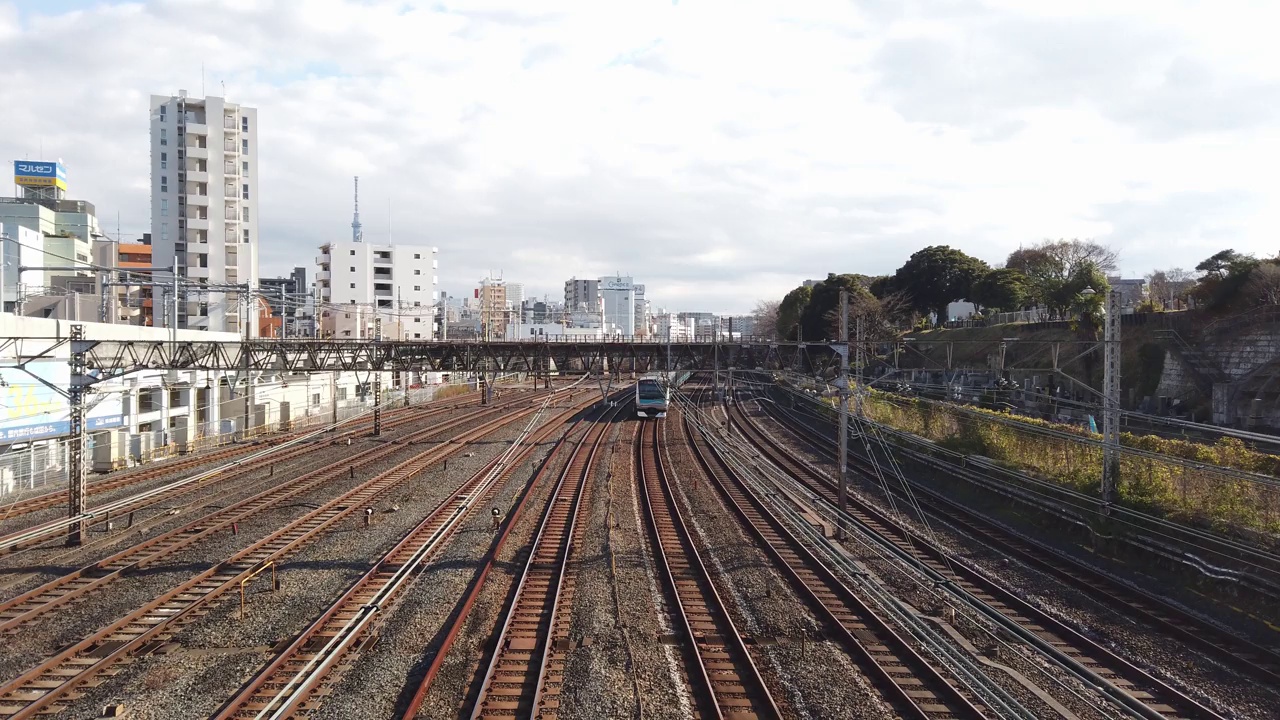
[573, 138]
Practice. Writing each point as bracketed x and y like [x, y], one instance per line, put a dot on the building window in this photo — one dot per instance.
[244, 191]
[164, 207]
[244, 124]
[164, 161]
[353, 269]
[417, 304]
[164, 232]
[246, 213]
[417, 272]
[244, 146]
[417, 336]
[417, 256]
[246, 235]
[353, 252]
[245, 166]
[163, 108]
[164, 136]
[417, 288]
[353, 287]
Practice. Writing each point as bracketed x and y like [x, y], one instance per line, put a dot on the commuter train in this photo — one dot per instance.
[652, 394]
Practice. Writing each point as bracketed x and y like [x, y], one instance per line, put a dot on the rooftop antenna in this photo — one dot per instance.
[357, 232]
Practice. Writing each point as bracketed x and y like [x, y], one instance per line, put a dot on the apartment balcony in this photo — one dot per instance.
[229, 122]
[197, 176]
[198, 273]
[197, 223]
[197, 129]
[383, 292]
[197, 200]
[230, 169]
[380, 259]
[323, 275]
[197, 153]
[229, 148]
[231, 215]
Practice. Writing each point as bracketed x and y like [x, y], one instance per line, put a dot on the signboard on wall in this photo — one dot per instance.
[39, 174]
[31, 410]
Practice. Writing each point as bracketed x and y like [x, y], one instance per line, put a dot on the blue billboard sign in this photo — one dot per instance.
[36, 174]
[31, 410]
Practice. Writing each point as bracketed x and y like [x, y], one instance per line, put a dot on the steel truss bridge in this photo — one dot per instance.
[105, 359]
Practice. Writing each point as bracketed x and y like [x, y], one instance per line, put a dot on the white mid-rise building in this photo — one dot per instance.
[204, 204]
[362, 283]
[618, 300]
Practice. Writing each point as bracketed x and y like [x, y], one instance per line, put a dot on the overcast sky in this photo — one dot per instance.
[719, 152]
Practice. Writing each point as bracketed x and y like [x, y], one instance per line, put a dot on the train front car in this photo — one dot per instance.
[651, 398]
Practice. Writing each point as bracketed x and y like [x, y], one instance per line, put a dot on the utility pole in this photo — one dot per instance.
[859, 365]
[377, 403]
[843, 387]
[715, 350]
[248, 378]
[76, 492]
[377, 383]
[1111, 398]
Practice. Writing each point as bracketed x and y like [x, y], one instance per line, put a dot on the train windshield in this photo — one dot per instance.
[650, 390]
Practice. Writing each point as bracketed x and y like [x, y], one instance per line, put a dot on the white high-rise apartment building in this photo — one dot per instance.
[359, 282]
[204, 206]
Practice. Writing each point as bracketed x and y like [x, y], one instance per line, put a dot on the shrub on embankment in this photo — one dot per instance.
[1185, 481]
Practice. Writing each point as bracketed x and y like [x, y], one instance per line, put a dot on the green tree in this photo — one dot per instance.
[821, 316]
[1002, 289]
[1222, 288]
[1049, 266]
[936, 276]
[882, 286]
[789, 310]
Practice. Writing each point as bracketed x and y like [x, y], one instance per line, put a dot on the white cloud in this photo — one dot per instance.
[719, 151]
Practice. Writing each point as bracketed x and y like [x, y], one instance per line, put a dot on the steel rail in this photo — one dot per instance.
[51, 528]
[727, 682]
[36, 690]
[1240, 653]
[39, 601]
[152, 470]
[290, 681]
[478, 583]
[929, 639]
[1126, 684]
[909, 683]
[517, 678]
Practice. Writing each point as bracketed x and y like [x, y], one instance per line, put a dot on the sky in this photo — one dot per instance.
[720, 152]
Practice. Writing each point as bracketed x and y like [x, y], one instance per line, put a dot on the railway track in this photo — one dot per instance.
[454, 629]
[526, 672]
[1260, 662]
[298, 677]
[1127, 684]
[37, 534]
[912, 686]
[725, 680]
[53, 683]
[151, 471]
[75, 586]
